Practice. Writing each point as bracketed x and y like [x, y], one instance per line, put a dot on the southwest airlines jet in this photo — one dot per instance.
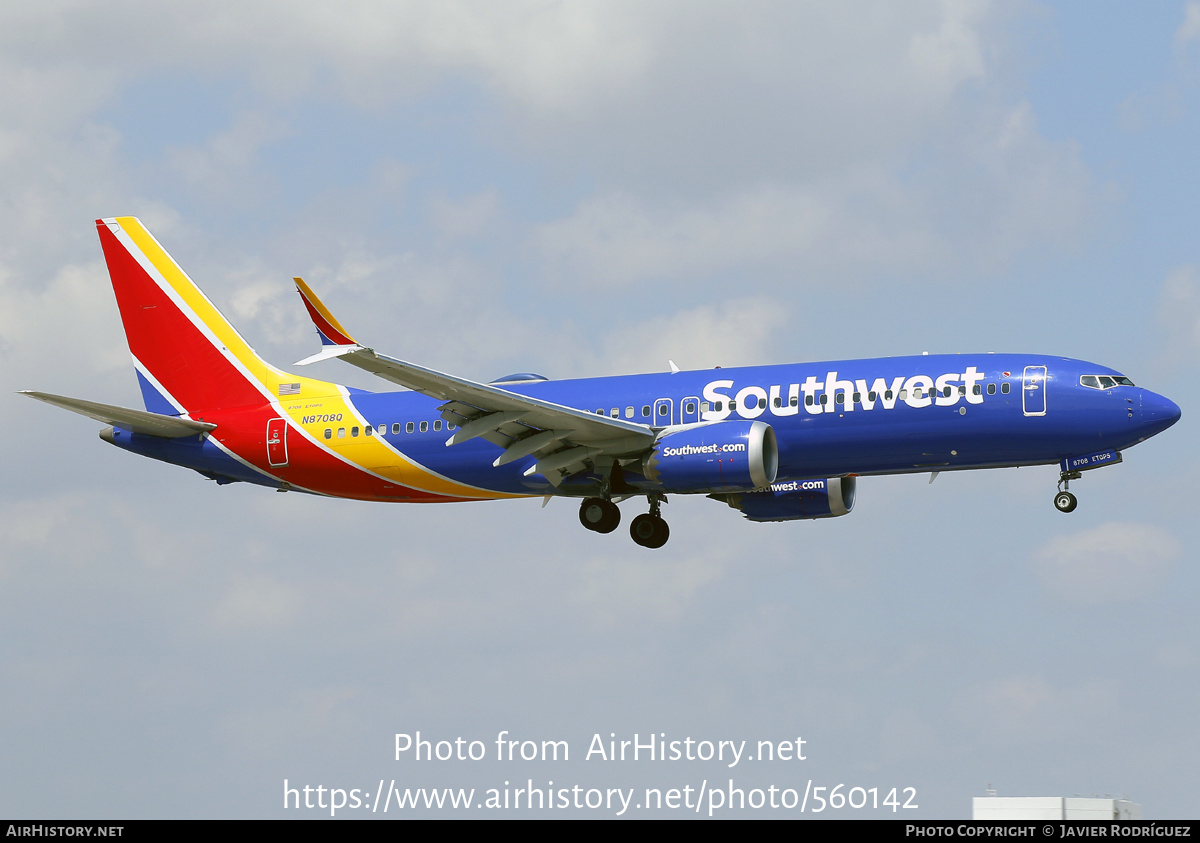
[777, 443]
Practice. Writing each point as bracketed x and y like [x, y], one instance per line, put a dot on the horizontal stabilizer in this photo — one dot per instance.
[138, 421]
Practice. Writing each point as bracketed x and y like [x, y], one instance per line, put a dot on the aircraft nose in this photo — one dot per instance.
[1158, 413]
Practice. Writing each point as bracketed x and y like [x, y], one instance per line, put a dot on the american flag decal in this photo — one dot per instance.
[289, 389]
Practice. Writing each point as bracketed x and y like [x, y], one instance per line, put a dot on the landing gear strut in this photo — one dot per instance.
[599, 515]
[1064, 501]
[650, 530]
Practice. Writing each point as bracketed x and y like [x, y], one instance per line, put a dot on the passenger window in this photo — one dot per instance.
[794, 401]
[341, 433]
[689, 407]
[808, 400]
[704, 407]
[778, 402]
[871, 396]
[395, 427]
[858, 398]
[975, 390]
[629, 412]
[449, 426]
[824, 399]
[645, 411]
[946, 391]
[410, 427]
[1005, 388]
[991, 389]
[424, 427]
[354, 432]
[616, 413]
[720, 405]
[437, 424]
[732, 406]
[903, 395]
[328, 433]
[887, 396]
[600, 412]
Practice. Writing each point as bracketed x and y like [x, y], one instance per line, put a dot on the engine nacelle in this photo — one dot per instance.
[795, 500]
[723, 456]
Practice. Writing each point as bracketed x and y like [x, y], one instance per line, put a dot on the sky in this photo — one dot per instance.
[584, 189]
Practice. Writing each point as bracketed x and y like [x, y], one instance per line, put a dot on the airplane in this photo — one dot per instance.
[777, 443]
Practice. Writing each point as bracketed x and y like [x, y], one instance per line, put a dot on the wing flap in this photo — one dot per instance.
[572, 437]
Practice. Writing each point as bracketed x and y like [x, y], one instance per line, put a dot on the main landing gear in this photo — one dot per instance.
[650, 530]
[602, 516]
[599, 515]
[1064, 501]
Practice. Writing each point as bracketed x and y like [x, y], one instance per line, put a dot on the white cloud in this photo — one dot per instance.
[615, 239]
[465, 217]
[1028, 708]
[1003, 191]
[1109, 563]
[257, 602]
[953, 53]
[69, 327]
[223, 168]
[1179, 311]
[612, 592]
[1189, 30]
[546, 54]
[737, 332]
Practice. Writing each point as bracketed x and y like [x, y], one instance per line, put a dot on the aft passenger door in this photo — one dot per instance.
[1033, 393]
[277, 442]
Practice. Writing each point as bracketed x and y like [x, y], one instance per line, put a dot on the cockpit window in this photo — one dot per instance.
[1104, 381]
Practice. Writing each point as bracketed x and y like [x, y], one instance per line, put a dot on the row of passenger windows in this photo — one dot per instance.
[381, 429]
[754, 402]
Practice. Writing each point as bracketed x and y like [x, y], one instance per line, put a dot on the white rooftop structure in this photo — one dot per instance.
[1053, 808]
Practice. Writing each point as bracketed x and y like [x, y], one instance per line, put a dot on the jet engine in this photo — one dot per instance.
[722, 456]
[796, 500]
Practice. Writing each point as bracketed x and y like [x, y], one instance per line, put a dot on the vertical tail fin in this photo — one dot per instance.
[188, 356]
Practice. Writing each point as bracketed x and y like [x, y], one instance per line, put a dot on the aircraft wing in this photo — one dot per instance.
[564, 439]
[139, 421]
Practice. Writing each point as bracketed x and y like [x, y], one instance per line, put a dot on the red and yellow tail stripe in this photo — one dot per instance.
[196, 358]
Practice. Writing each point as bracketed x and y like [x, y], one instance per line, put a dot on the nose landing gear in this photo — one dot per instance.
[1064, 501]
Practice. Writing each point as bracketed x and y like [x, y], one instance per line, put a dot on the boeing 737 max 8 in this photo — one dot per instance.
[778, 443]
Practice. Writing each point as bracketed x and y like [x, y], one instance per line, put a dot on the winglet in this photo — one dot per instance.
[327, 326]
